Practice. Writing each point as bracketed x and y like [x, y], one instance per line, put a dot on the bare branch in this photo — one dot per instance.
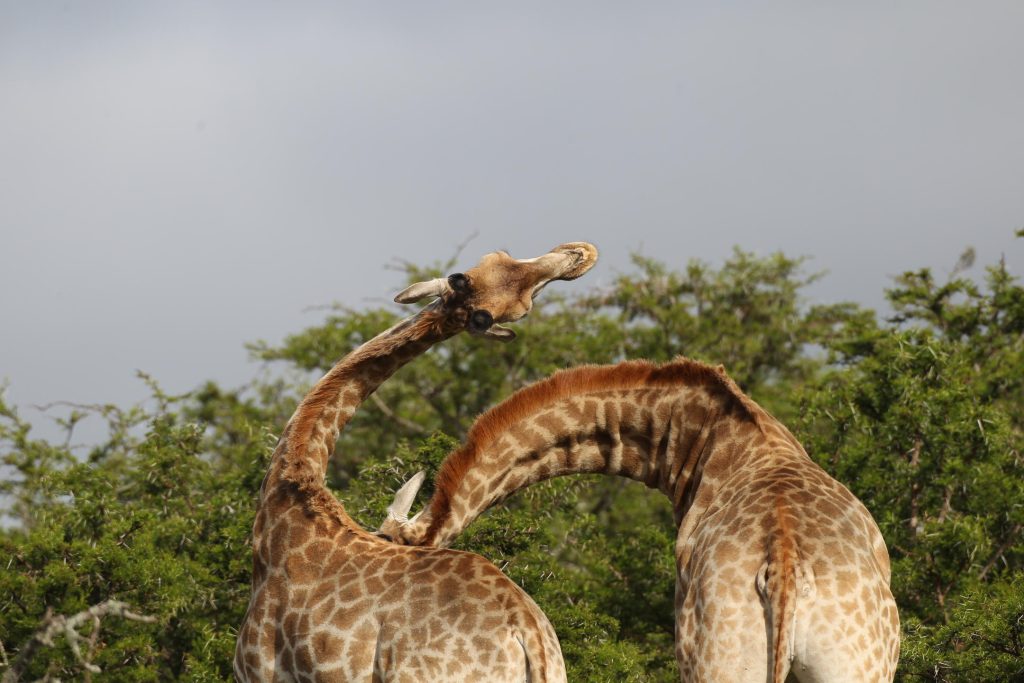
[55, 625]
[404, 265]
[94, 638]
[408, 424]
[999, 552]
[458, 250]
[947, 504]
[915, 488]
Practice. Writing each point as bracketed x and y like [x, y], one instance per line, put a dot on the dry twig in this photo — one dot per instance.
[407, 424]
[55, 625]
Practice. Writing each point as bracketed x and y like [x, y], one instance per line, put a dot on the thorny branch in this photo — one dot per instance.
[55, 625]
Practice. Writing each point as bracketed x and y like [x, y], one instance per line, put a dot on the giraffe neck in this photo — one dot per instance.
[300, 459]
[681, 428]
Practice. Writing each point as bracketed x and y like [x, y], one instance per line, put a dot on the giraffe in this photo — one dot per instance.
[780, 569]
[332, 602]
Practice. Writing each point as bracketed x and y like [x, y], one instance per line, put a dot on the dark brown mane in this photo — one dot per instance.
[574, 382]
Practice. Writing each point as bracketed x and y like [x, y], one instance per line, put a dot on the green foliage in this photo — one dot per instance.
[158, 527]
[748, 316]
[988, 324]
[982, 641]
[922, 421]
[921, 416]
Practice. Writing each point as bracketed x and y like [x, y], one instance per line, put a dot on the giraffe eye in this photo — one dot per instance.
[386, 537]
[480, 321]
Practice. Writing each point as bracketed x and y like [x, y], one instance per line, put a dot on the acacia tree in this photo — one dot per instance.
[922, 420]
[920, 416]
[151, 521]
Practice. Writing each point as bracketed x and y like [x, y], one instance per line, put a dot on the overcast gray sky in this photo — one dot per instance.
[179, 178]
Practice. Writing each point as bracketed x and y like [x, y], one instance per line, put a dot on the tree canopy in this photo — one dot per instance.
[919, 414]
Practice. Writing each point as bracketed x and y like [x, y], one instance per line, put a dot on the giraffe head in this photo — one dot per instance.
[500, 288]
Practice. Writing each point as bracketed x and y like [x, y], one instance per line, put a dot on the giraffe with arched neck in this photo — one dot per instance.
[333, 603]
[780, 569]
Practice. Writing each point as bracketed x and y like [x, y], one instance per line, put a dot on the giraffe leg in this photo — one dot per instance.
[721, 632]
[856, 639]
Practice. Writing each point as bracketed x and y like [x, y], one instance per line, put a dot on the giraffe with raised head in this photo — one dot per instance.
[333, 603]
[781, 571]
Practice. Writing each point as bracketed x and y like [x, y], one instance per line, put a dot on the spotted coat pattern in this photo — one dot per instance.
[781, 571]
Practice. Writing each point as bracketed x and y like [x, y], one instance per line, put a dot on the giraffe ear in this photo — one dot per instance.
[421, 290]
[399, 509]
